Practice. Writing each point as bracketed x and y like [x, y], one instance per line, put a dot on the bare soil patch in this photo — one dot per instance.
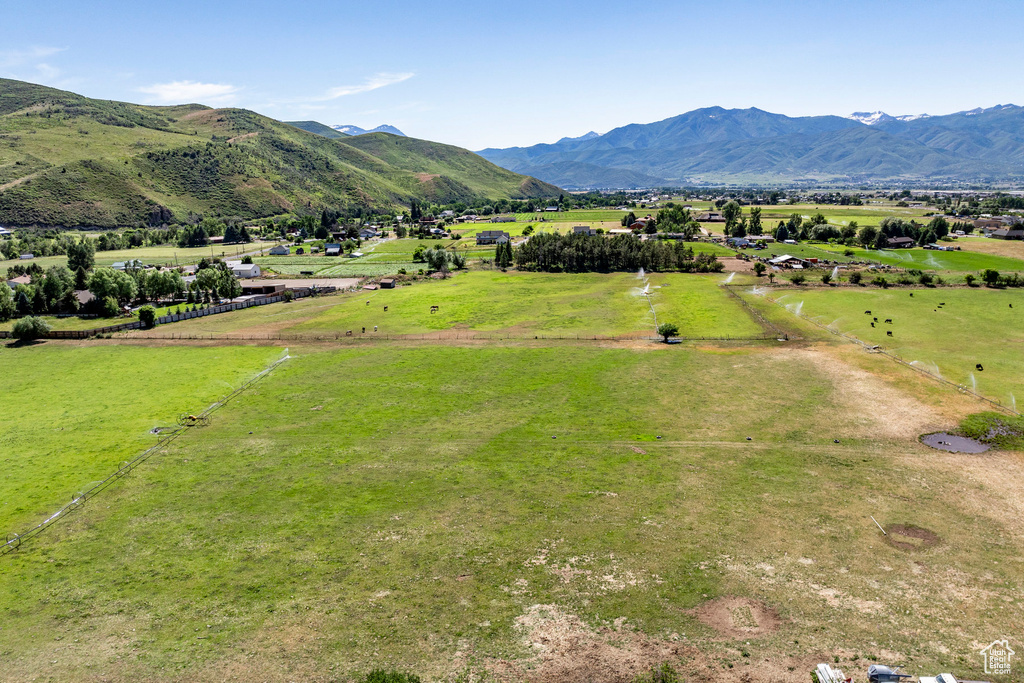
[736, 265]
[570, 651]
[911, 538]
[736, 617]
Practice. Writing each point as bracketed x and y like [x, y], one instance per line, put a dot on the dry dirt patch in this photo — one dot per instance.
[569, 651]
[736, 617]
[909, 537]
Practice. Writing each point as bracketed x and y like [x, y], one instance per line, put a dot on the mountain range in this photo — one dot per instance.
[68, 160]
[356, 130]
[716, 145]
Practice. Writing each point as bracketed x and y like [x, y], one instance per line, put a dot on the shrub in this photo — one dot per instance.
[798, 279]
[848, 252]
[826, 278]
[856, 277]
[382, 676]
[990, 277]
[925, 278]
[30, 328]
[969, 279]
[147, 316]
[658, 674]
[288, 295]
[880, 281]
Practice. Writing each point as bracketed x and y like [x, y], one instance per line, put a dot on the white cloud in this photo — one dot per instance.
[188, 92]
[373, 83]
[10, 58]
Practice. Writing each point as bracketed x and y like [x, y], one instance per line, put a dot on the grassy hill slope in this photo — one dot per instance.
[67, 160]
[318, 128]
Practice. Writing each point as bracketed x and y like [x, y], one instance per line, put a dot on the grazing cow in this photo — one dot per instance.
[943, 303]
[978, 367]
[888, 333]
[374, 328]
[385, 309]
[889, 320]
[367, 302]
[364, 330]
[348, 333]
[911, 294]
[435, 309]
[875, 319]
[872, 324]
[867, 312]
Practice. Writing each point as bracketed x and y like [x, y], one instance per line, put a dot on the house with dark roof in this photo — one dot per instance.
[583, 230]
[332, 249]
[492, 237]
[899, 242]
[1015, 232]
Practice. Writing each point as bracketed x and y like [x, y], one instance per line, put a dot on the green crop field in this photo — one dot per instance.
[151, 256]
[73, 423]
[974, 326]
[440, 508]
[517, 304]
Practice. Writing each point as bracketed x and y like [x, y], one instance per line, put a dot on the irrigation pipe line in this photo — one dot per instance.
[892, 356]
[13, 541]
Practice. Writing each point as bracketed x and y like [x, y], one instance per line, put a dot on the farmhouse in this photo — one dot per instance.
[583, 230]
[492, 237]
[503, 219]
[899, 242]
[332, 249]
[367, 233]
[279, 250]
[1013, 233]
[710, 217]
[387, 283]
[20, 280]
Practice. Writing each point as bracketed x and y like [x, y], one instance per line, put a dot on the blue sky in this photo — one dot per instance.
[517, 73]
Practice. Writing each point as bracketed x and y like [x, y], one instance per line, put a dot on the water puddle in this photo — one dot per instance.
[954, 444]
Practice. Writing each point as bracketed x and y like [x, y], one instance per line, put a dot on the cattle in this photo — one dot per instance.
[385, 309]
[348, 333]
[435, 309]
[889, 320]
[867, 312]
[875, 319]
[888, 333]
[872, 324]
[364, 330]
[978, 367]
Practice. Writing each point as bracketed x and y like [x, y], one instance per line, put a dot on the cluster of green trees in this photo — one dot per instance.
[580, 253]
[503, 257]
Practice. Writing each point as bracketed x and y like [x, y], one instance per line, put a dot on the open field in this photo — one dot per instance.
[517, 304]
[926, 259]
[974, 326]
[547, 511]
[868, 214]
[408, 507]
[74, 422]
[151, 256]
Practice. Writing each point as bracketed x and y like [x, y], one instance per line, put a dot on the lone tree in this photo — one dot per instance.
[759, 269]
[667, 330]
[991, 277]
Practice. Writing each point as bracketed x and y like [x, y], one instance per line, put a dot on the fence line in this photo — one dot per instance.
[899, 359]
[779, 334]
[13, 541]
[187, 315]
[440, 337]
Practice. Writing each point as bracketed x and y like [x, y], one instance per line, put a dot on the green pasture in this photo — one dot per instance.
[79, 412]
[164, 255]
[868, 214]
[403, 507]
[927, 259]
[976, 325]
[801, 250]
[517, 304]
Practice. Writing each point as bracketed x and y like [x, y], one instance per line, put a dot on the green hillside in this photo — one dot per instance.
[318, 128]
[67, 160]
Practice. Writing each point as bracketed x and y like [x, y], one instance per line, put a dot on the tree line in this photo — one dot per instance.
[581, 253]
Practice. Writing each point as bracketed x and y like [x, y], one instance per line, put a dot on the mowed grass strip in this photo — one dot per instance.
[976, 325]
[517, 304]
[74, 414]
[392, 507]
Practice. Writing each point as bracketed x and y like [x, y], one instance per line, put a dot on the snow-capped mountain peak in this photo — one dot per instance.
[356, 130]
[875, 117]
